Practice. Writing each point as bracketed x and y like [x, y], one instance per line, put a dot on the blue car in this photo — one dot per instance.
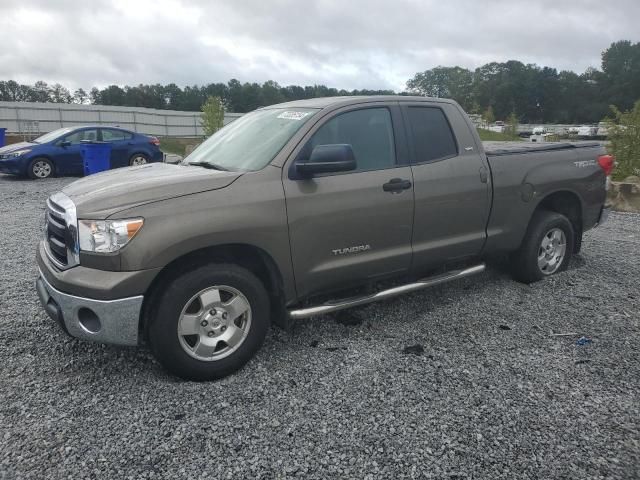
[58, 152]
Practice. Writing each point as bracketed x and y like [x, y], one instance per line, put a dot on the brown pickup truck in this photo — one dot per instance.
[301, 209]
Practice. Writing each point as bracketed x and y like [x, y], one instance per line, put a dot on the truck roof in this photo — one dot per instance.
[324, 102]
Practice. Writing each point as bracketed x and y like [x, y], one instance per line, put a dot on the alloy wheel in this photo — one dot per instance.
[41, 169]
[552, 251]
[214, 323]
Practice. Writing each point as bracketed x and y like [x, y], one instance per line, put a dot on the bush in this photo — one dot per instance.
[490, 136]
[623, 131]
[512, 125]
[212, 115]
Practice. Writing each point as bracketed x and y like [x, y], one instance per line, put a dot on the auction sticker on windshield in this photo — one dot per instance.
[293, 115]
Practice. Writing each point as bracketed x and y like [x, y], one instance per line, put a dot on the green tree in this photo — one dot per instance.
[112, 95]
[12, 91]
[445, 82]
[508, 87]
[59, 94]
[94, 96]
[512, 125]
[272, 93]
[40, 92]
[620, 76]
[624, 141]
[212, 115]
[235, 100]
[80, 96]
[488, 115]
[192, 99]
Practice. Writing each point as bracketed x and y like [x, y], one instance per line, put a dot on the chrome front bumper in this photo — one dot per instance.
[104, 321]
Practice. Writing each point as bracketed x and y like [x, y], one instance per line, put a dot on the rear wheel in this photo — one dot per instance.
[546, 249]
[138, 159]
[40, 168]
[209, 322]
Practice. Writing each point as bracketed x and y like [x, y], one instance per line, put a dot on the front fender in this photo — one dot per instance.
[251, 211]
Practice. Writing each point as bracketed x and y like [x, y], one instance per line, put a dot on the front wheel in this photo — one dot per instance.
[209, 322]
[546, 249]
[40, 168]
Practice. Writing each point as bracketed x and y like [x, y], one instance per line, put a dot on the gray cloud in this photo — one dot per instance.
[346, 44]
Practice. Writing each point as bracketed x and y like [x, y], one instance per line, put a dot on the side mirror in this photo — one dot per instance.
[328, 159]
[66, 143]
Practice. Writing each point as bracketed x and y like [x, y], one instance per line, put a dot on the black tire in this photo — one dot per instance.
[40, 168]
[168, 346]
[525, 265]
[138, 159]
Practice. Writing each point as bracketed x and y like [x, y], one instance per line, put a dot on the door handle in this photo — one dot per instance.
[484, 176]
[396, 185]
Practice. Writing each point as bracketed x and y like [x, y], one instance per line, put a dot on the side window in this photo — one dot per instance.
[115, 135]
[90, 135]
[432, 135]
[369, 132]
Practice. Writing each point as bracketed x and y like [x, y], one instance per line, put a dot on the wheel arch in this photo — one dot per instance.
[567, 203]
[46, 156]
[254, 259]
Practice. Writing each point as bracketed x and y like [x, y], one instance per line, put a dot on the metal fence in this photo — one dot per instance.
[30, 119]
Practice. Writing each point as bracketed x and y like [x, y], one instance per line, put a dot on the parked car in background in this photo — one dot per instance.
[498, 127]
[587, 130]
[603, 129]
[58, 152]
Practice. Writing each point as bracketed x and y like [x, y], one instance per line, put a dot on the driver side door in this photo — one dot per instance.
[350, 228]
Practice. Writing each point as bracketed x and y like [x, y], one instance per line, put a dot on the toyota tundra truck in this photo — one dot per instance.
[302, 209]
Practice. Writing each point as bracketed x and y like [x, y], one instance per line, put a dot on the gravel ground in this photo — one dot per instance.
[463, 381]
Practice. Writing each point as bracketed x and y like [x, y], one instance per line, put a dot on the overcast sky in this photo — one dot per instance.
[344, 43]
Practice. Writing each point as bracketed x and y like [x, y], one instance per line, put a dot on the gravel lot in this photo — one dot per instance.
[485, 391]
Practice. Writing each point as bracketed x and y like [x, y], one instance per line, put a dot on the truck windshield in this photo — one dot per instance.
[252, 141]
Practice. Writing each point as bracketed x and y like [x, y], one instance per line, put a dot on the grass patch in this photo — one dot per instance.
[489, 136]
[176, 145]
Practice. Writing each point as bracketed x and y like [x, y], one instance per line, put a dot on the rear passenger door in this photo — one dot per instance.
[347, 228]
[69, 156]
[120, 142]
[451, 185]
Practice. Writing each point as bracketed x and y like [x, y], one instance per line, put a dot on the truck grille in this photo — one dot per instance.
[57, 232]
[60, 235]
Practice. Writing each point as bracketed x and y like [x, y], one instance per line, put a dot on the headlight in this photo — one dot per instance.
[104, 236]
[16, 154]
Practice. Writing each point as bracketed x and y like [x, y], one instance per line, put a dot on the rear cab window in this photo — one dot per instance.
[431, 134]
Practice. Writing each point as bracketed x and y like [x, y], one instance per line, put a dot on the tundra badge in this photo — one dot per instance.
[584, 163]
[356, 249]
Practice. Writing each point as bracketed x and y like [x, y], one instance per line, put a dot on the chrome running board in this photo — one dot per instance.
[384, 294]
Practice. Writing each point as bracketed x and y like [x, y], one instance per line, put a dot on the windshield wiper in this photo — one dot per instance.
[212, 166]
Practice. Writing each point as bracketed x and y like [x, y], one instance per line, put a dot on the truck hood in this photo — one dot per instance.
[106, 193]
[16, 146]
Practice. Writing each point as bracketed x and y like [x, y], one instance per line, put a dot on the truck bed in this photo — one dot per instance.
[493, 149]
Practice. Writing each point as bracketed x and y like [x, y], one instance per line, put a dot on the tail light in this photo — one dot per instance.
[607, 162]
[154, 141]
